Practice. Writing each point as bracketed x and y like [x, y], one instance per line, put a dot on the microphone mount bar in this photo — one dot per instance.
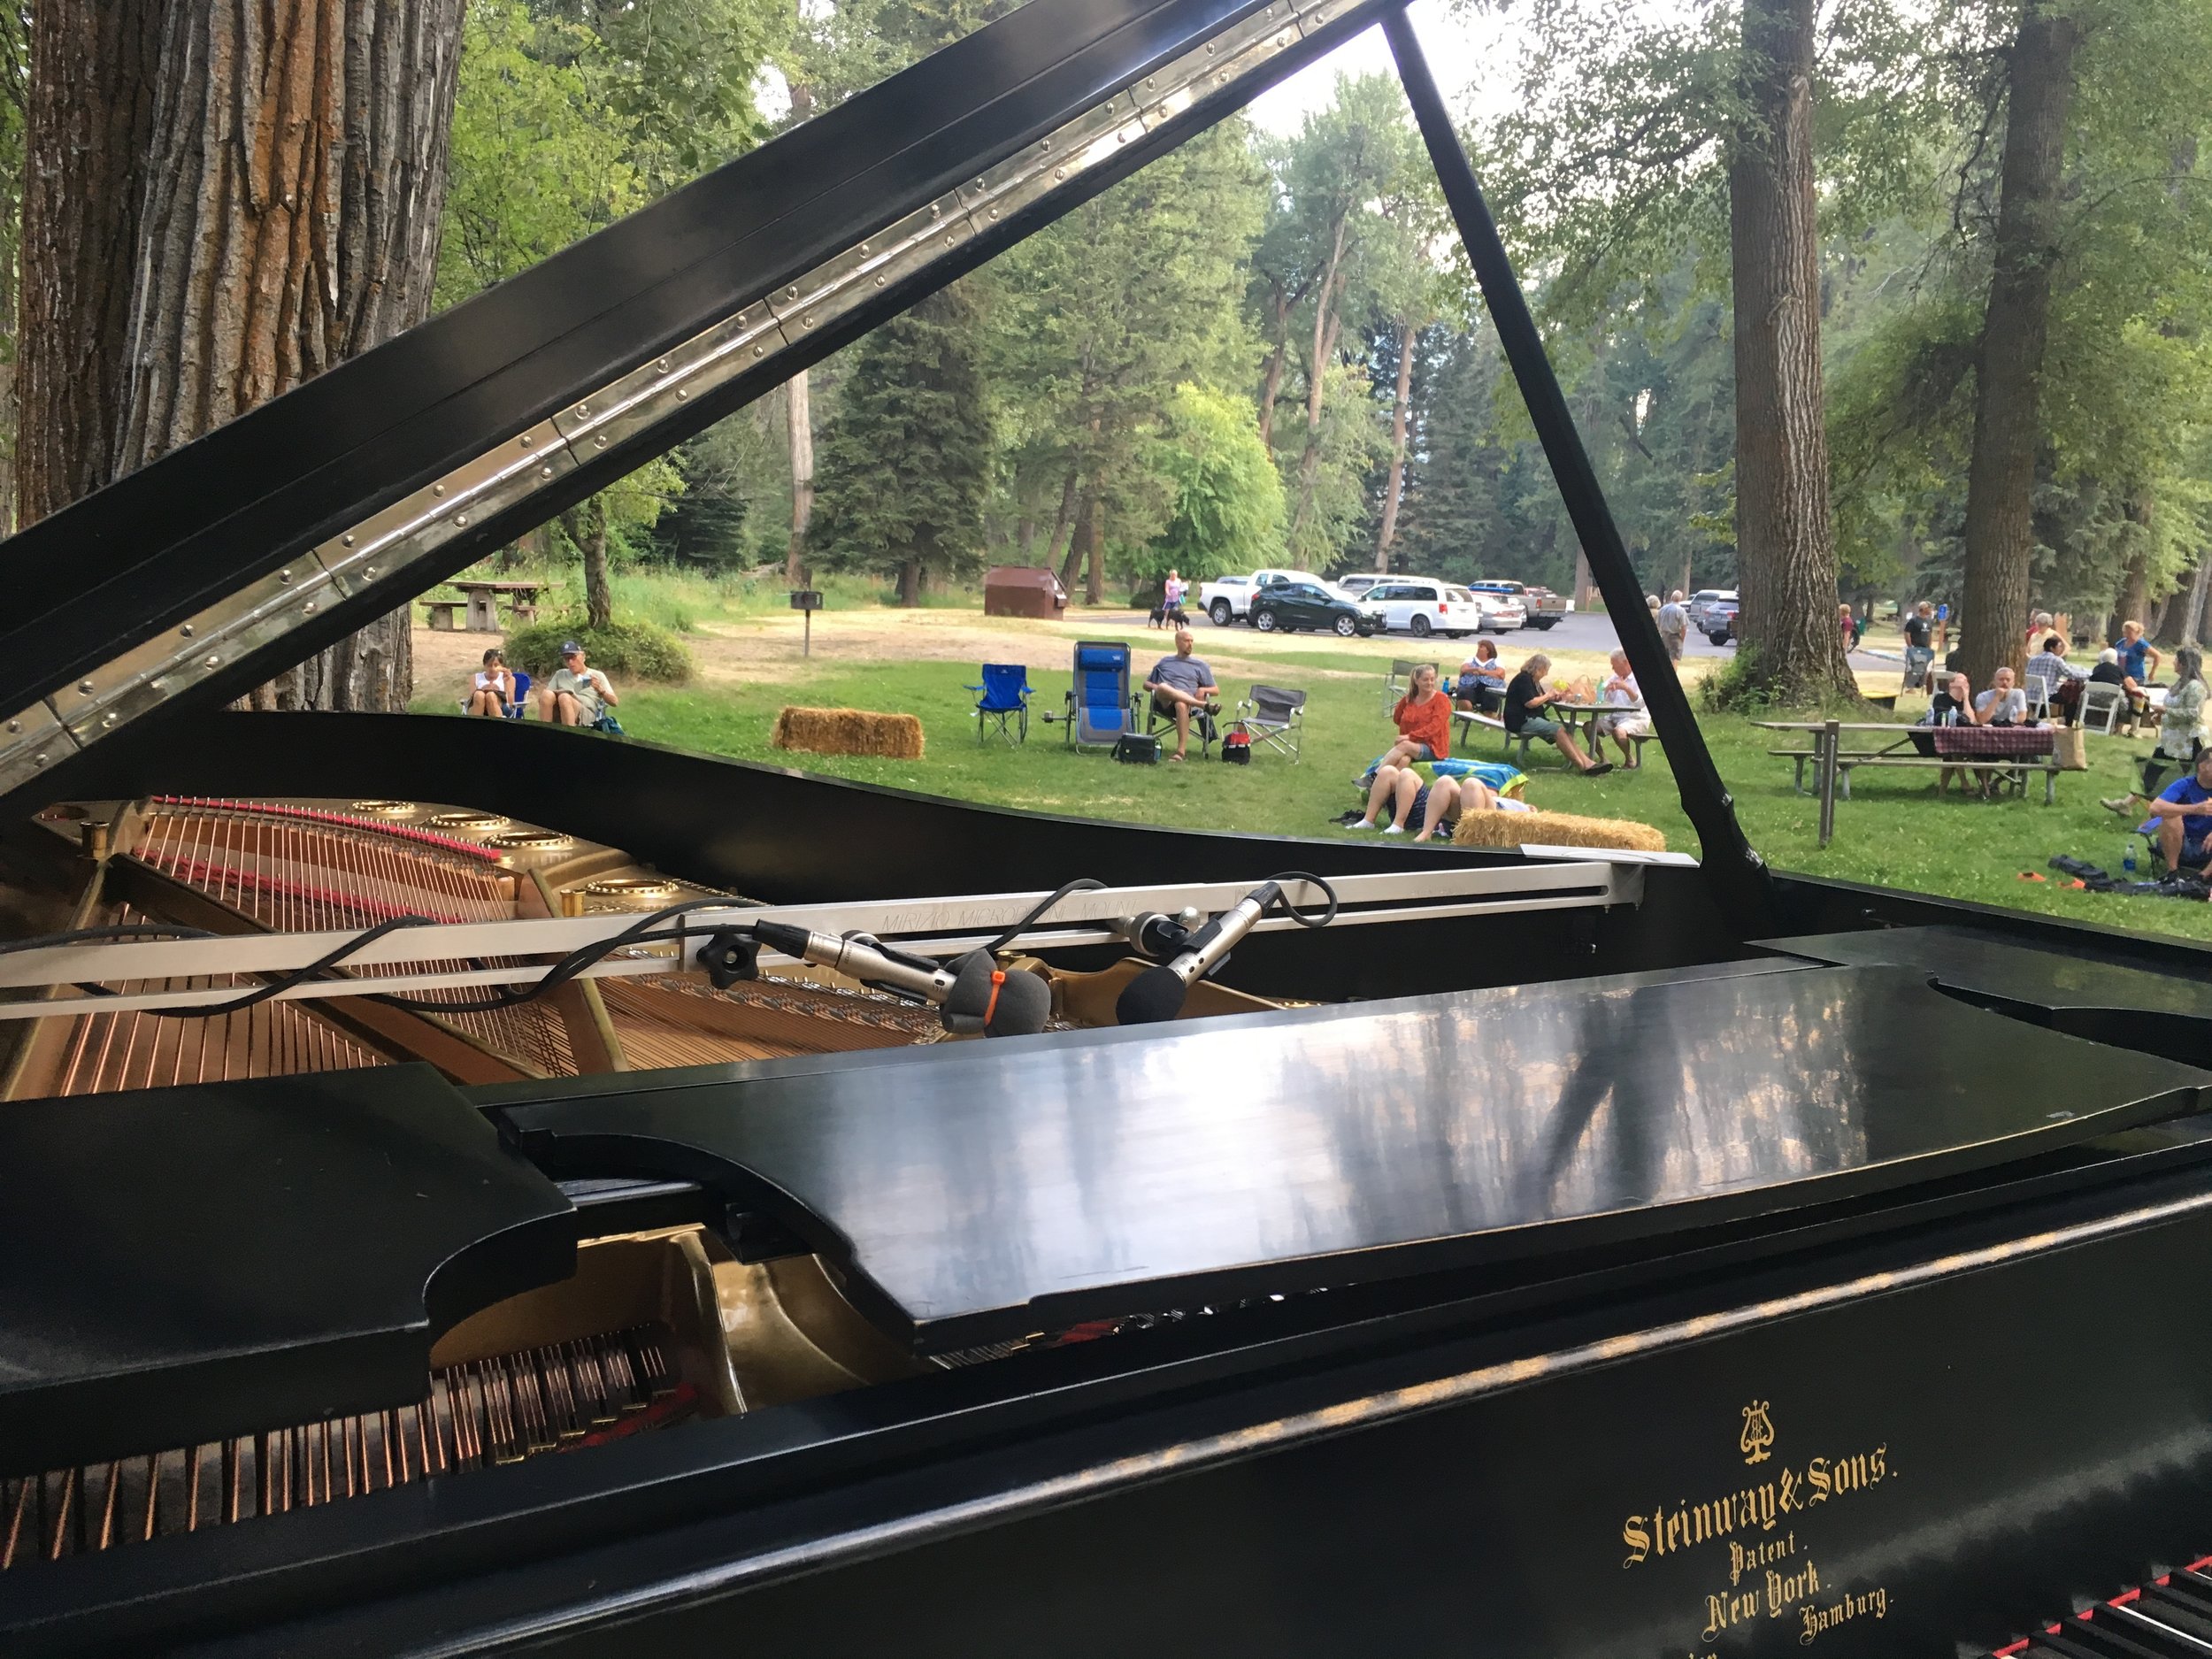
[413, 959]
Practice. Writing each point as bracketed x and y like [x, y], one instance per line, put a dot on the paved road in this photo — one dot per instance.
[1578, 631]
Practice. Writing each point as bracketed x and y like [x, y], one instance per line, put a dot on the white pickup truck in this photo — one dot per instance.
[1228, 599]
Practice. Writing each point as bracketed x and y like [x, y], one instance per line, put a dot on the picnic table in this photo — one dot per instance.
[2013, 750]
[482, 600]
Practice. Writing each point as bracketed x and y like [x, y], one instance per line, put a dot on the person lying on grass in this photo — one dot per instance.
[1435, 807]
[1525, 700]
[1423, 717]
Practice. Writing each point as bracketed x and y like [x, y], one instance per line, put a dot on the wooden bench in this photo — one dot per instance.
[1491, 723]
[442, 613]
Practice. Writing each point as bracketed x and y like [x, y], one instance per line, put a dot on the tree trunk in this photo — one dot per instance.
[2193, 608]
[1060, 523]
[1395, 485]
[292, 195]
[910, 582]
[2016, 329]
[1327, 323]
[799, 418]
[86, 133]
[1271, 382]
[587, 526]
[1077, 542]
[1095, 539]
[1785, 538]
[2134, 598]
[1582, 579]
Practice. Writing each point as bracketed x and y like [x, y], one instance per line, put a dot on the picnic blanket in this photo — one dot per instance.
[1994, 742]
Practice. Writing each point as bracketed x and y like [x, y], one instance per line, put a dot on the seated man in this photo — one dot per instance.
[1181, 687]
[2181, 817]
[2050, 678]
[2004, 703]
[1525, 700]
[576, 695]
[1621, 688]
[493, 687]
[1481, 681]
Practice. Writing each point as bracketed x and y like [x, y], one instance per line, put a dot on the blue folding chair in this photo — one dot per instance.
[1101, 711]
[519, 704]
[1003, 697]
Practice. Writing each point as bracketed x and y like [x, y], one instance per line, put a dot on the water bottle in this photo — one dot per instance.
[2127, 859]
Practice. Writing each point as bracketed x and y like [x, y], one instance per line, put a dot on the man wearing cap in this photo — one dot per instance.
[574, 695]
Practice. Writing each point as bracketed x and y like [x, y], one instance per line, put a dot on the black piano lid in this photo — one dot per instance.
[976, 1193]
[2077, 984]
[180, 1264]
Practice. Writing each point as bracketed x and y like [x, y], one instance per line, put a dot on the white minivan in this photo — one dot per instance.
[1420, 606]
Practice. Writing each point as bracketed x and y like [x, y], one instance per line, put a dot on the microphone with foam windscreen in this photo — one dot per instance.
[988, 998]
[1158, 994]
[971, 995]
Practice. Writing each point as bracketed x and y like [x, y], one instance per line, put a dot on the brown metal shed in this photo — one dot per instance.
[1022, 590]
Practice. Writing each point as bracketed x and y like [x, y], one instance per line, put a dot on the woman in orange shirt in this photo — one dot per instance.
[1424, 722]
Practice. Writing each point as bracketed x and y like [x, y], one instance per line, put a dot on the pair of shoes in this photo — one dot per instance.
[1394, 829]
[1598, 770]
[2124, 804]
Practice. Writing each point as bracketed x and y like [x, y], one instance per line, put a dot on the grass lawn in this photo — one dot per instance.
[1895, 832]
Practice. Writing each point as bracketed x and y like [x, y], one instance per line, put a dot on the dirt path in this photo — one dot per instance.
[738, 650]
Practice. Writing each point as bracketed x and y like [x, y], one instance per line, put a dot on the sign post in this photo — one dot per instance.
[806, 601]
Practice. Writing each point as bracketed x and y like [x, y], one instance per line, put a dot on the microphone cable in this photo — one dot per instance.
[1283, 877]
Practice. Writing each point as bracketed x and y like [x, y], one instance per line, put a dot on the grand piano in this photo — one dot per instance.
[443, 1212]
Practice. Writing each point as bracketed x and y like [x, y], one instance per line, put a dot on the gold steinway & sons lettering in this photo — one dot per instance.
[1759, 1508]
[1749, 1532]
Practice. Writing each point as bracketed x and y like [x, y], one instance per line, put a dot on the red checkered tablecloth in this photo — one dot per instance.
[1992, 742]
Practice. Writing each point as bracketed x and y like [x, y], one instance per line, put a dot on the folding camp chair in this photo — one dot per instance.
[1002, 697]
[2101, 707]
[519, 703]
[1275, 716]
[1101, 711]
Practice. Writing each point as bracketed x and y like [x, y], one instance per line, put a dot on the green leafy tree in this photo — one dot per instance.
[905, 463]
[1227, 511]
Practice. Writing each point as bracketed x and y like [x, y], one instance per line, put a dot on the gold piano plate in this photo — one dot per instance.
[631, 889]
[385, 808]
[470, 823]
[534, 840]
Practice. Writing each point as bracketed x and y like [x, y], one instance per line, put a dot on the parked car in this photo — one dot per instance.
[1541, 607]
[1422, 606]
[1712, 613]
[1231, 597]
[1290, 606]
[1357, 583]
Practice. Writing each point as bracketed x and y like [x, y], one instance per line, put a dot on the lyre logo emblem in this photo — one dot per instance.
[1758, 1433]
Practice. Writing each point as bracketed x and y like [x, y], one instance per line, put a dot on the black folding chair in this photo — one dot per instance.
[1275, 716]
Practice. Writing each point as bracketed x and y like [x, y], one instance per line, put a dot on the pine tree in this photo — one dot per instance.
[905, 463]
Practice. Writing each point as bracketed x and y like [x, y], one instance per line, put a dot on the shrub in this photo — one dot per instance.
[627, 650]
[1737, 689]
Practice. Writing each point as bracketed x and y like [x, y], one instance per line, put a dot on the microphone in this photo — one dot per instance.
[861, 958]
[972, 995]
[986, 998]
[1158, 994]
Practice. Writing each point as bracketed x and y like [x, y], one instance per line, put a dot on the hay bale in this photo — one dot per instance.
[849, 731]
[1555, 829]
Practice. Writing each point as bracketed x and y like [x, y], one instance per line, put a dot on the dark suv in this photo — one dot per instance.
[1288, 606]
